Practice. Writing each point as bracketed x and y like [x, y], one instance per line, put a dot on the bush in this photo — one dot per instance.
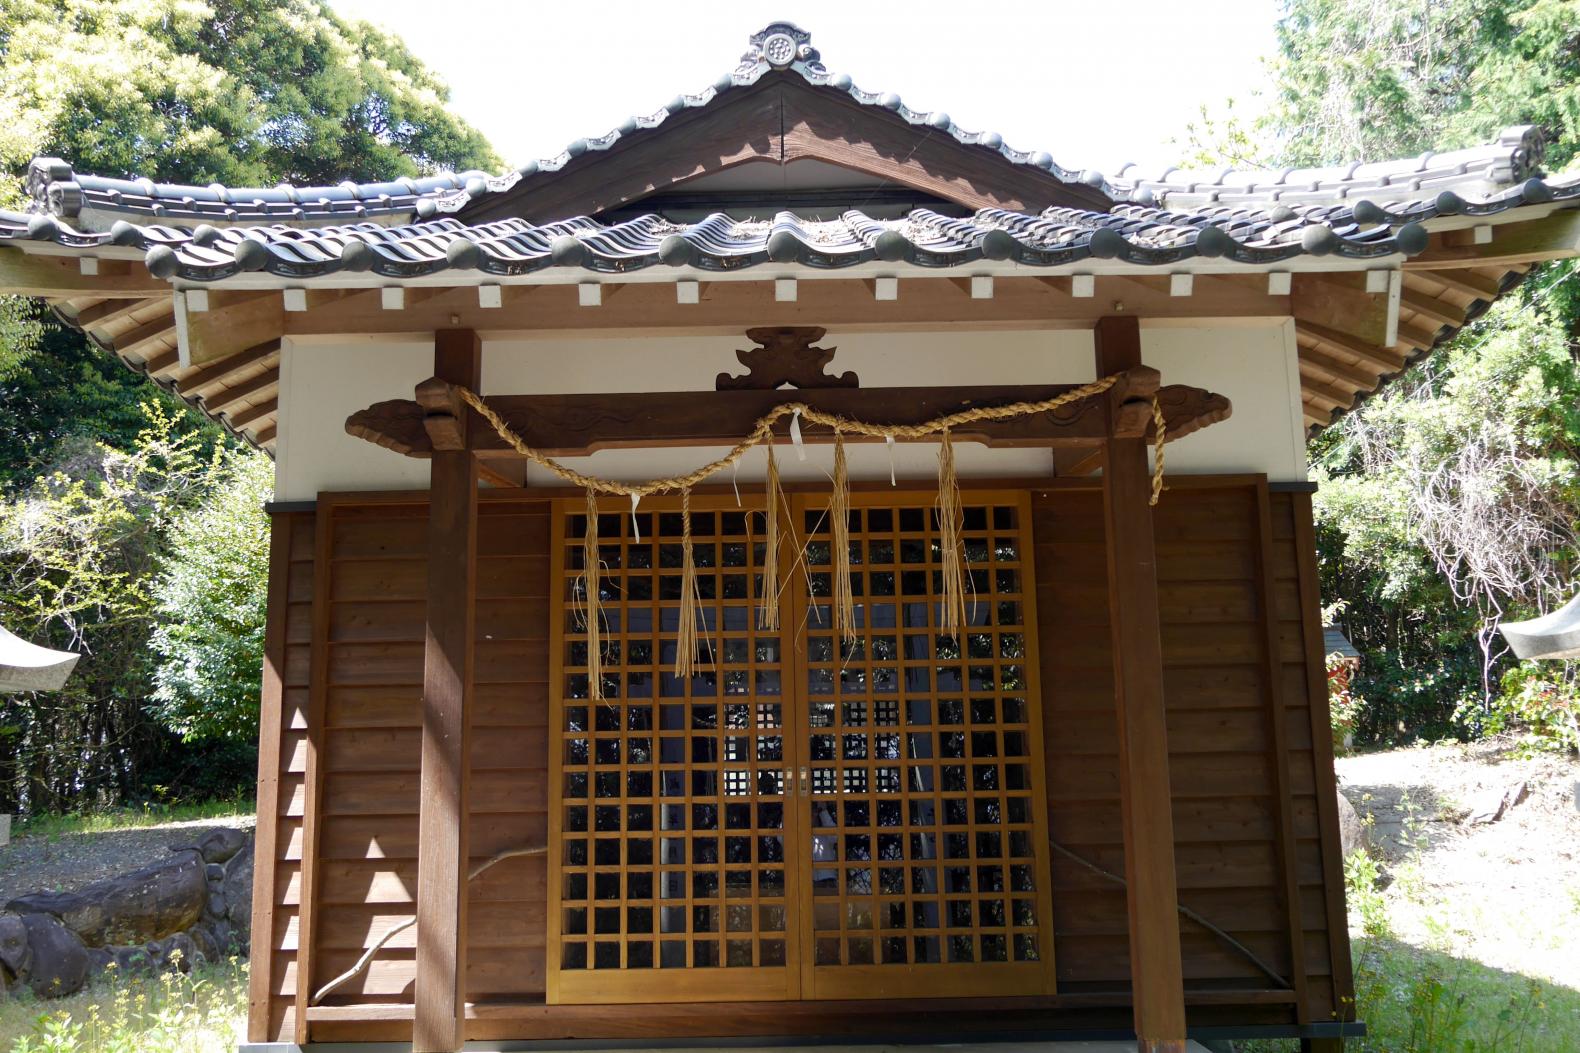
[210, 598]
[1537, 699]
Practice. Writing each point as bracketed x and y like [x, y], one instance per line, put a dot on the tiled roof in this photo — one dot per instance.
[1139, 234]
[96, 202]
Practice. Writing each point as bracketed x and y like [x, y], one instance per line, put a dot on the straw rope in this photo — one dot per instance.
[762, 434]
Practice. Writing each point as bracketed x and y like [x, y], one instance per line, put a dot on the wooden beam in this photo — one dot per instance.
[252, 413]
[271, 730]
[442, 844]
[226, 367]
[1315, 361]
[1553, 237]
[1465, 282]
[574, 425]
[1384, 359]
[1157, 984]
[731, 307]
[1341, 303]
[234, 323]
[228, 397]
[1275, 719]
[108, 312]
[27, 274]
[137, 341]
[1431, 308]
[552, 422]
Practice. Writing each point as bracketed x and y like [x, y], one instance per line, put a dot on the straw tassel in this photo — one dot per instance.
[768, 604]
[952, 613]
[686, 636]
[592, 609]
[839, 513]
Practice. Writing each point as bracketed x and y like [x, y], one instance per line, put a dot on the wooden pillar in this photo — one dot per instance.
[1146, 809]
[442, 851]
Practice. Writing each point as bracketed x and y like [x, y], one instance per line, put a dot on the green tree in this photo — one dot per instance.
[242, 92]
[1448, 502]
[209, 599]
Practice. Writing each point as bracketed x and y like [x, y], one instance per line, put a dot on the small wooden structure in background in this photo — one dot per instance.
[1104, 808]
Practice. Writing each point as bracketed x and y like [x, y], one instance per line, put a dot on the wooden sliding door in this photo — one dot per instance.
[802, 817]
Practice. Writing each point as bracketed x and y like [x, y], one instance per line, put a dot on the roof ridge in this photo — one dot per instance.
[782, 47]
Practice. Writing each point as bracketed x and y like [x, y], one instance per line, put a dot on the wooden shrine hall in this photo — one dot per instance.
[791, 568]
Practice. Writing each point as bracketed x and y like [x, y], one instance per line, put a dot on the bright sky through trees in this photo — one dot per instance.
[1093, 84]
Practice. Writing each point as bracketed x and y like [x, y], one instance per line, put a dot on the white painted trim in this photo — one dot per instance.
[589, 294]
[392, 298]
[1297, 408]
[1377, 280]
[1481, 234]
[1391, 327]
[1279, 283]
[180, 303]
[688, 290]
[1083, 285]
[490, 296]
[284, 401]
[88, 264]
[1181, 283]
[886, 288]
[982, 287]
[197, 300]
[295, 299]
[784, 290]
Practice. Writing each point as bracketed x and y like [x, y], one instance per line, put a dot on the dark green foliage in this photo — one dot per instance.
[242, 92]
[1425, 566]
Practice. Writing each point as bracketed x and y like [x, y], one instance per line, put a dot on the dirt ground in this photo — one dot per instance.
[65, 862]
[1505, 893]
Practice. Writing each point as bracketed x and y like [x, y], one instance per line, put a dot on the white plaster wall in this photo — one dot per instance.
[1256, 367]
[321, 384]
[1253, 364]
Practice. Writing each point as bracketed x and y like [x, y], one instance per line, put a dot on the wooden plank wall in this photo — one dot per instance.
[1221, 684]
[362, 858]
[1222, 679]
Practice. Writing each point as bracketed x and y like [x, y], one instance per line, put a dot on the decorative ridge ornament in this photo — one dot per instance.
[780, 45]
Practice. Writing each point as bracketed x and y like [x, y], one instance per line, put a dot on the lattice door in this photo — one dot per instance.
[673, 816]
[801, 818]
[925, 851]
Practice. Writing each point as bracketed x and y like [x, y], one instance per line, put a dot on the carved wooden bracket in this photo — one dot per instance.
[785, 355]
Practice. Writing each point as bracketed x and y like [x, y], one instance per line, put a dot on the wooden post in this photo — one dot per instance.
[442, 851]
[1156, 977]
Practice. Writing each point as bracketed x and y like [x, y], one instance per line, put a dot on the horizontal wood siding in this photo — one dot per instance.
[1226, 815]
[1227, 823]
[372, 639]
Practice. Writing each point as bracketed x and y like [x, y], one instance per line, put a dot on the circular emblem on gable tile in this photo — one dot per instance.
[779, 49]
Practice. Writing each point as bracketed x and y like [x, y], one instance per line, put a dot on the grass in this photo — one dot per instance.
[108, 820]
[200, 1012]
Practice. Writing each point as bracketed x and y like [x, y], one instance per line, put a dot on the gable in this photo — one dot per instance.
[783, 119]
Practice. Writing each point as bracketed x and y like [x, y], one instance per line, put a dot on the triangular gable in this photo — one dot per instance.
[781, 106]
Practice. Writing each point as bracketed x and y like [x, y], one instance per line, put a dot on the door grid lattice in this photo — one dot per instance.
[803, 817]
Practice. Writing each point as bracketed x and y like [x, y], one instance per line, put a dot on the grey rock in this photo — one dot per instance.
[217, 846]
[216, 904]
[215, 872]
[238, 896]
[1352, 832]
[59, 964]
[145, 904]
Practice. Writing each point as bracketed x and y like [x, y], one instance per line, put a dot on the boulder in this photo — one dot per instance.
[217, 846]
[238, 896]
[1352, 832]
[16, 957]
[146, 904]
[60, 962]
[1492, 805]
